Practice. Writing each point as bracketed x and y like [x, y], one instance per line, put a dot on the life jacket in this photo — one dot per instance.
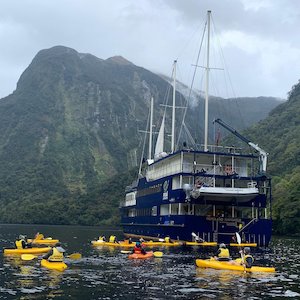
[248, 256]
[224, 253]
[101, 239]
[137, 249]
[167, 239]
[56, 255]
[112, 239]
[39, 236]
[19, 244]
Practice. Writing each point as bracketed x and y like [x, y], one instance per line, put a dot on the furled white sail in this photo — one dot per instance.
[159, 147]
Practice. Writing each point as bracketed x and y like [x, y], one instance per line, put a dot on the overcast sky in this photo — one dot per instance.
[259, 38]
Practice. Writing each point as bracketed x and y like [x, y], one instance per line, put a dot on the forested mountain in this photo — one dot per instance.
[280, 133]
[70, 133]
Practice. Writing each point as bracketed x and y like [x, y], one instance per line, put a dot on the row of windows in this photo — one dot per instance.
[198, 210]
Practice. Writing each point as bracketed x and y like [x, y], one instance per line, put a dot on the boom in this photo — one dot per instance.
[263, 155]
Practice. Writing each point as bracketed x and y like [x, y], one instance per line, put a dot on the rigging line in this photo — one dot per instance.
[144, 144]
[189, 134]
[192, 84]
[229, 78]
[190, 39]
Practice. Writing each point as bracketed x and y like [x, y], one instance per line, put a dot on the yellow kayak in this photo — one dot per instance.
[160, 244]
[207, 244]
[119, 244]
[27, 250]
[243, 245]
[224, 265]
[58, 266]
[46, 241]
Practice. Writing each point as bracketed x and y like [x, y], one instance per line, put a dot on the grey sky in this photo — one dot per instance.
[259, 38]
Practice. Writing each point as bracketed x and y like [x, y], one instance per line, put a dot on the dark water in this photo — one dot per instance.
[108, 274]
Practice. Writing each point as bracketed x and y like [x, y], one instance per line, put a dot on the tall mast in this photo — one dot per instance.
[150, 131]
[173, 108]
[207, 84]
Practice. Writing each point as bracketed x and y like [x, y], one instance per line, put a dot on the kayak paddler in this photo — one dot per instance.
[102, 239]
[56, 254]
[113, 239]
[167, 239]
[222, 254]
[21, 242]
[247, 258]
[138, 249]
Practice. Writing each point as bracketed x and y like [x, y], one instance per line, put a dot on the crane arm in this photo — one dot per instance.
[263, 155]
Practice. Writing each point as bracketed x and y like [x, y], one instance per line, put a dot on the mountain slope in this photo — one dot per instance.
[280, 135]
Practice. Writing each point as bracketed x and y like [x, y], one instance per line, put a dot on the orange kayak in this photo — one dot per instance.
[140, 255]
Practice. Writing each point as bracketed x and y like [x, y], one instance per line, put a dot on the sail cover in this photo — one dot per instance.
[159, 147]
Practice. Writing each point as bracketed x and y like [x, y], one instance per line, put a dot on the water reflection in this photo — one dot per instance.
[106, 273]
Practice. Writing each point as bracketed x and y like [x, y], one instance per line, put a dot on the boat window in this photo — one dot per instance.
[169, 166]
[175, 183]
[175, 209]
[223, 211]
[130, 199]
[187, 209]
[203, 210]
[243, 212]
[131, 212]
[187, 180]
[143, 212]
[154, 211]
[164, 209]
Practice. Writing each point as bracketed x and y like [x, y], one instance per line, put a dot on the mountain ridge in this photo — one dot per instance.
[70, 127]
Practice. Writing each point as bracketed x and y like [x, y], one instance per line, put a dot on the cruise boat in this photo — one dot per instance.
[210, 192]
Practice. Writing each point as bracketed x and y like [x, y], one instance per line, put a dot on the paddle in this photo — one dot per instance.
[31, 256]
[28, 256]
[239, 240]
[74, 256]
[158, 254]
[194, 235]
[155, 254]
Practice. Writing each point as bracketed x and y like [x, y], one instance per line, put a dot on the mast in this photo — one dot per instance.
[207, 84]
[173, 108]
[150, 131]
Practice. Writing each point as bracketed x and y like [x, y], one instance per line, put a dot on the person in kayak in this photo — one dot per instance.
[128, 241]
[38, 236]
[21, 243]
[222, 254]
[247, 258]
[56, 254]
[113, 239]
[167, 239]
[139, 249]
[102, 239]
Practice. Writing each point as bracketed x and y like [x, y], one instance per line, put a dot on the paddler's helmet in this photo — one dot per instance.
[138, 244]
[247, 250]
[222, 245]
[22, 237]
